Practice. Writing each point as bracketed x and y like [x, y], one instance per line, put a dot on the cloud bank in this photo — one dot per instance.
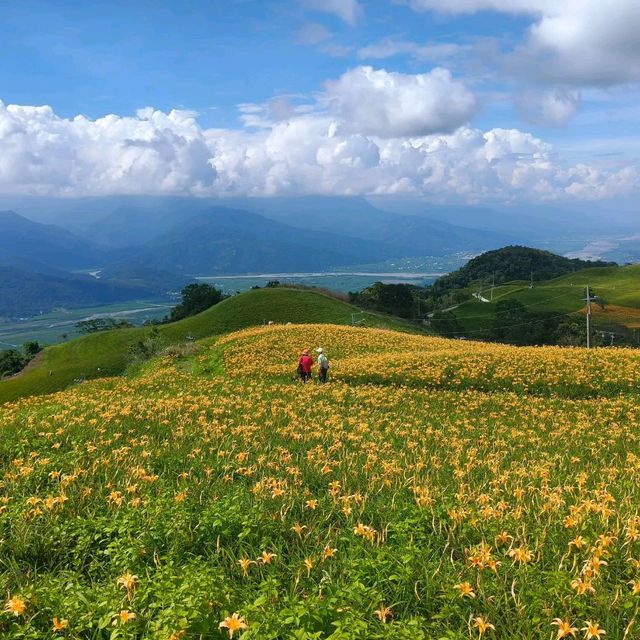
[370, 132]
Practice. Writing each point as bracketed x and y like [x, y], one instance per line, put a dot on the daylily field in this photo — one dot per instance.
[433, 489]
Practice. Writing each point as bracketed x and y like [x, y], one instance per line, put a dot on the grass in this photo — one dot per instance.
[107, 354]
[433, 489]
[618, 286]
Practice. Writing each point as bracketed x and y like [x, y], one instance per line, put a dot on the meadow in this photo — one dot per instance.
[434, 489]
[108, 353]
[619, 287]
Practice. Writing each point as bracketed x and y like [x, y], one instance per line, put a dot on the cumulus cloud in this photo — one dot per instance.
[347, 10]
[387, 104]
[581, 42]
[586, 42]
[549, 108]
[151, 152]
[303, 153]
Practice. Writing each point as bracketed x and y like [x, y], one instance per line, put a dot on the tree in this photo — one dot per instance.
[396, 299]
[31, 349]
[446, 324]
[11, 362]
[196, 298]
[101, 324]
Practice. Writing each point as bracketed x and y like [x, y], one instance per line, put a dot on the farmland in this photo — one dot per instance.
[434, 489]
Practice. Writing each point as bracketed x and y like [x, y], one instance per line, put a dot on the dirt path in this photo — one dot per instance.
[34, 363]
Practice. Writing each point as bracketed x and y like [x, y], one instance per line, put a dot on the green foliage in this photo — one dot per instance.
[11, 361]
[169, 478]
[147, 347]
[514, 263]
[31, 349]
[445, 323]
[101, 324]
[196, 298]
[395, 299]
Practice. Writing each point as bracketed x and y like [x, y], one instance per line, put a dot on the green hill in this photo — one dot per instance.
[106, 354]
[619, 287]
[514, 263]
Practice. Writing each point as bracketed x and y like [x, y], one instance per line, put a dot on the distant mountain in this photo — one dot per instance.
[24, 293]
[139, 221]
[23, 239]
[227, 241]
[125, 221]
[402, 235]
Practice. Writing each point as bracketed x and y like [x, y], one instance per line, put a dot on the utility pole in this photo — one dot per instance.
[589, 299]
[531, 283]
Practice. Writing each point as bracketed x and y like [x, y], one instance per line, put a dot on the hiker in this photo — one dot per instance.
[323, 365]
[305, 364]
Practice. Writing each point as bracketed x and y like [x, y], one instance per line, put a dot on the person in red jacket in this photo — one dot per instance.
[305, 366]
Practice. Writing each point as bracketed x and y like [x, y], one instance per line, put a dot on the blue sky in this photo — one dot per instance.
[239, 71]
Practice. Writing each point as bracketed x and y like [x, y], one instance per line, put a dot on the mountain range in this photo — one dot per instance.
[143, 246]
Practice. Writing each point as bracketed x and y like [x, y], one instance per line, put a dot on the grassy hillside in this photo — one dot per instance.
[433, 489]
[107, 354]
[618, 286]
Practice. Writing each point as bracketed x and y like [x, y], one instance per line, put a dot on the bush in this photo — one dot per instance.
[147, 348]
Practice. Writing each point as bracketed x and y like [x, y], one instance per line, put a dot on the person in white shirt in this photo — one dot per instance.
[323, 365]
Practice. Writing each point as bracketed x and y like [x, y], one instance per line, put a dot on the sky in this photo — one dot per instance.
[475, 101]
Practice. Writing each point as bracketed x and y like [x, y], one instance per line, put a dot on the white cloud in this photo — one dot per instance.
[316, 152]
[549, 108]
[472, 6]
[387, 104]
[347, 10]
[432, 51]
[581, 42]
[586, 42]
[151, 152]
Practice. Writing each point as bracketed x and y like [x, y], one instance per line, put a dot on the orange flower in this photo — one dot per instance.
[124, 617]
[592, 630]
[233, 623]
[16, 606]
[564, 628]
[128, 581]
[465, 589]
[60, 625]
[482, 625]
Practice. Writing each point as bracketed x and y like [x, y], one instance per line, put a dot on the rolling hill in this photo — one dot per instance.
[619, 287]
[478, 486]
[107, 354]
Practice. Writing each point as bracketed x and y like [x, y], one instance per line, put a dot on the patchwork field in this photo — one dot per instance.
[433, 489]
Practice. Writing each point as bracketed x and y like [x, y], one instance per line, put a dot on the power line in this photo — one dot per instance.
[509, 326]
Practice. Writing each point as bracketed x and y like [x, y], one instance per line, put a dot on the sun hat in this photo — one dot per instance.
[319, 349]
